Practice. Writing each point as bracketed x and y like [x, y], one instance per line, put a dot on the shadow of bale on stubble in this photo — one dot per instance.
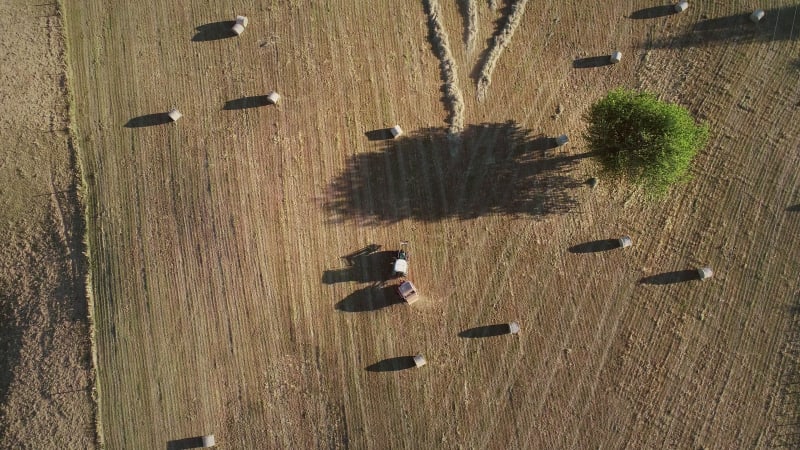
[592, 61]
[382, 134]
[149, 120]
[678, 276]
[371, 298]
[497, 169]
[214, 31]
[392, 364]
[778, 24]
[601, 245]
[365, 268]
[254, 101]
[793, 208]
[653, 12]
[486, 331]
[185, 443]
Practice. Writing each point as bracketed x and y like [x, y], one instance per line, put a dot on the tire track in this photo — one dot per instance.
[501, 41]
[453, 98]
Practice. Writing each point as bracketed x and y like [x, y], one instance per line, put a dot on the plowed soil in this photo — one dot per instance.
[224, 304]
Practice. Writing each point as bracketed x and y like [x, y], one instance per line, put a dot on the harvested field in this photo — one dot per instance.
[228, 299]
[46, 376]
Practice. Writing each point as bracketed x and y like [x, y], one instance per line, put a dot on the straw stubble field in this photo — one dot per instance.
[223, 303]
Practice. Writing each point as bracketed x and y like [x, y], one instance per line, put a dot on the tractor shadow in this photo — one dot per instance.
[678, 276]
[148, 120]
[486, 331]
[498, 169]
[602, 245]
[778, 24]
[653, 12]
[255, 101]
[363, 268]
[371, 298]
[214, 31]
[592, 61]
[392, 364]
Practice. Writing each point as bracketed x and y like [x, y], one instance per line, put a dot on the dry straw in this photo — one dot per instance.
[447, 64]
[501, 41]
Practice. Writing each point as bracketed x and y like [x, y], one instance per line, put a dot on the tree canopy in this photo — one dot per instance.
[636, 136]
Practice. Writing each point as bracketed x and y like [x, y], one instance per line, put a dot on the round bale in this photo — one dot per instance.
[513, 328]
[562, 140]
[616, 57]
[757, 15]
[174, 114]
[240, 25]
[208, 441]
[625, 241]
[273, 98]
[592, 182]
[681, 7]
[705, 273]
[396, 131]
[419, 360]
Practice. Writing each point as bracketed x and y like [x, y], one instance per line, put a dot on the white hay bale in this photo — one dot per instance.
[562, 140]
[681, 7]
[273, 98]
[616, 57]
[208, 441]
[513, 328]
[705, 273]
[757, 15]
[625, 241]
[419, 360]
[174, 114]
[396, 131]
[240, 25]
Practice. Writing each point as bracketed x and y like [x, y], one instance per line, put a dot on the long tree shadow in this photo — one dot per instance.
[486, 331]
[363, 268]
[371, 298]
[214, 31]
[392, 364]
[499, 169]
[678, 276]
[653, 12]
[148, 120]
[601, 245]
[778, 24]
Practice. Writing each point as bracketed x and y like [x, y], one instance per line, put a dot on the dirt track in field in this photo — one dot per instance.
[224, 305]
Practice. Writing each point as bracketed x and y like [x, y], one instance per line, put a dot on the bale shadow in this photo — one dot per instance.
[364, 268]
[498, 169]
[371, 298]
[486, 331]
[214, 31]
[185, 443]
[352, 257]
[793, 208]
[148, 120]
[778, 24]
[653, 12]
[601, 245]
[677, 276]
[592, 61]
[382, 134]
[392, 364]
[254, 101]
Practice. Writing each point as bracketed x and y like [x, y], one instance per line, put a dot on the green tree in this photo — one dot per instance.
[636, 136]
